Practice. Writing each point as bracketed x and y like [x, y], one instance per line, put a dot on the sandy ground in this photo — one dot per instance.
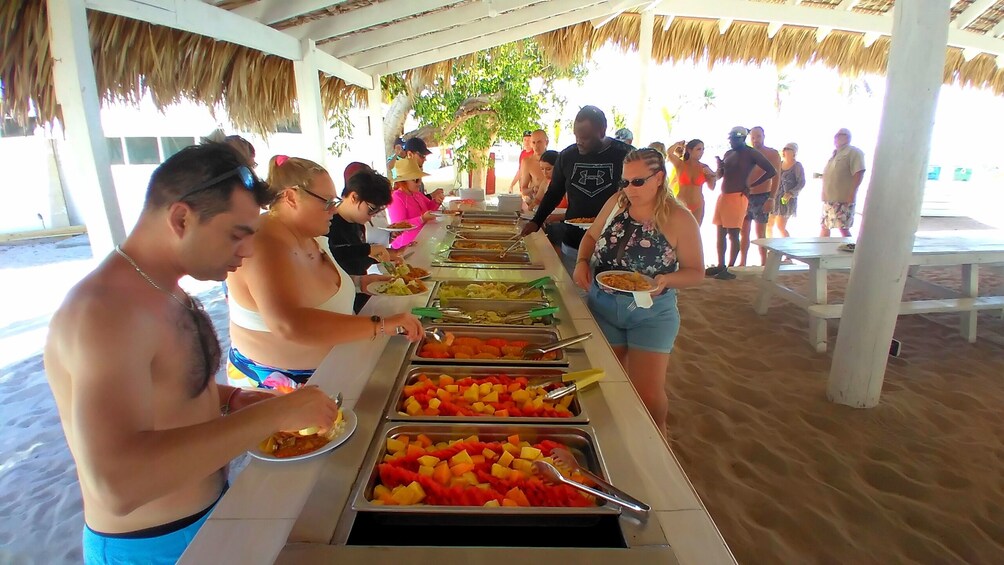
[787, 476]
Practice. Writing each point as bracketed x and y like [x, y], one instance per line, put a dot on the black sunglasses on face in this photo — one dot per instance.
[635, 182]
[329, 203]
[374, 210]
[243, 173]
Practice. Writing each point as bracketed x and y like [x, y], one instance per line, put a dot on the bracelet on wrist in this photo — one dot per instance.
[376, 324]
[226, 407]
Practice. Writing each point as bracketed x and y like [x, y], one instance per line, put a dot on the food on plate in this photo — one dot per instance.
[581, 220]
[400, 226]
[307, 440]
[498, 396]
[481, 245]
[410, 273]
[476, 348]
[401, 287]
[471, 472]
[628, 282]
[490, 290]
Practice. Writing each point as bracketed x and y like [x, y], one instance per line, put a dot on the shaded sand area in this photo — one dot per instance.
[791, 478]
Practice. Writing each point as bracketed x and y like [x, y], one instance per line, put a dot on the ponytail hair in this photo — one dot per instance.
[690, 147]
[665, 202]
[286, 172]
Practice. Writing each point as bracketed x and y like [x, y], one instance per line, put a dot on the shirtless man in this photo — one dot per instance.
[761, 199]
[131, 359]
[523, 154]
[532, 184]
[734, 170]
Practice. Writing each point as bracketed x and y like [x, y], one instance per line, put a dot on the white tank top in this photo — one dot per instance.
[341, 302]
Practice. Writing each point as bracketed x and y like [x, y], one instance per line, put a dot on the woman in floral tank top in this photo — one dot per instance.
[643, 229]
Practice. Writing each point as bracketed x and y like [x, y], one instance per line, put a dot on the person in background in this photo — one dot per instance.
[734, 170]
[398, 153]
[365, 195]
[525, 152]
[658, 146]
[131, 360]
[291, 302]
[625, 136]
[692, 175]
[587, 173]
[238, 143]
[532, 183]
[554, 225]
[761, 198]
[792, 182]
[642, 229]
[417, 151]
[408, 204]
[842, 178]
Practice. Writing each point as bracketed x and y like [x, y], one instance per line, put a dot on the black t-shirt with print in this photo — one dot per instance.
[588, 181]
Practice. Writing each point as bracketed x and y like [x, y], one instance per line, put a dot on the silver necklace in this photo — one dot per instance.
[191, 302]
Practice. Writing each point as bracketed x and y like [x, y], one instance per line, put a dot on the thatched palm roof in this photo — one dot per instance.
[257, 90]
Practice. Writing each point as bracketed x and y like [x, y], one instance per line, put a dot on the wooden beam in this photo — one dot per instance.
[415, 27]
[467, 32]
[619, 8]
[972, 13]
[805, 16]
[270, 12]
[203, 19]
[847, 5]
[362, 18]
[998, 30]
[557, 21]
[334, 66]
[311, 109]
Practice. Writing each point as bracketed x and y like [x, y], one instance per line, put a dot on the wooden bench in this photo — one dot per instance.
[941, 305]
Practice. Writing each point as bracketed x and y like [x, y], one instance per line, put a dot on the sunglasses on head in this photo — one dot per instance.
[329, 203]
[635, 182]
[243, 173]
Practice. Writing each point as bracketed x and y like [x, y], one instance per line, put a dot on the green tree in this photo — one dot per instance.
[619, 119]
[498, 95]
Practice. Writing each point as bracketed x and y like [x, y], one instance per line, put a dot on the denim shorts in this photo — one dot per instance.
[648, 329]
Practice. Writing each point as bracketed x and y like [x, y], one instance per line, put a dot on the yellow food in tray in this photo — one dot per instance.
[489, 290]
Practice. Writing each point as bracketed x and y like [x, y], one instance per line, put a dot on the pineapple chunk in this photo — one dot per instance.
[498, 388]
[380, 490]
[529, 453]
[511, 448]
[489, 454]
[470, 477]
[404, 496]
[395, 445]
[471, 394]
[417, 490]
[485, 388]
[453, 389]
[521, 465]
[520, 396]
[478, 407]
[500, 472]
[566, 401]
[473, 439]
[425, 470]
[442, 445]
[428, 460]
[434, 403]
[506, 459]
[489, 409]
[490, 397]
[492, 504]
[413, 409]
[462, 457]
[538, 402]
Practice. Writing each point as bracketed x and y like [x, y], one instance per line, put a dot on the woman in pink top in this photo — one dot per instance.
[408, 204]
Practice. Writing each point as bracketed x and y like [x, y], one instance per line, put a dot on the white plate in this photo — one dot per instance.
[376, 288]
[599, 281]
[383, 270]
[581, 225]
[350, 421]
[395, 230]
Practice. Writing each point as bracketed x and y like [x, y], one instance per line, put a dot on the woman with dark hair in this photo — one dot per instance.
[554, 225]
[366, 194]
[692, 175]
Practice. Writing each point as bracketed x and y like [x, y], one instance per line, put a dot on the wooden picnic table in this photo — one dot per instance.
[967, 250]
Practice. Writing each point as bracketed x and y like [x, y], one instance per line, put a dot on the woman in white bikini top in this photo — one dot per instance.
[290, 302]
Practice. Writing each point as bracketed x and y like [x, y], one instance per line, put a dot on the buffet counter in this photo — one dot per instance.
[302, 512]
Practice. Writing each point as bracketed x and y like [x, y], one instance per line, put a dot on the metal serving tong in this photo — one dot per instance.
[441, 313]
[566, 459]
[526, 314]
[551, 474]
[554, 346]
[528, 286]
[515, 244]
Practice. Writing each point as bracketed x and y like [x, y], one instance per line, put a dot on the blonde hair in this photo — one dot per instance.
[665, 202]
[290, 172]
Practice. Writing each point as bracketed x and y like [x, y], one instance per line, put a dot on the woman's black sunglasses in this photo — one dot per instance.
[244, 174]
[329, 203]
[636, 182]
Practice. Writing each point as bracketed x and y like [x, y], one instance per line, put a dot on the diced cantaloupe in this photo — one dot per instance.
[507, 502]
[518, 496]
[502, 413]
[513, 439]
[415, 450]
[445, 380]
[423, 439]
[442, 473]
[477, 459]
[461, 468]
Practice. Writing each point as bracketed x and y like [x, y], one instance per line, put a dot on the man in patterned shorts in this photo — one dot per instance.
[841, 179]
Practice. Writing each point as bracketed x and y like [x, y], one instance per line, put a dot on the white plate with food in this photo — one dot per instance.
[405, 271]
[397, 287]
[625, 281]
[294, 446]
[582, 223]
[397, 227]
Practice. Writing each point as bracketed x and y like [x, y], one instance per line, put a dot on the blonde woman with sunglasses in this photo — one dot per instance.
[642, 229]
[291, 302]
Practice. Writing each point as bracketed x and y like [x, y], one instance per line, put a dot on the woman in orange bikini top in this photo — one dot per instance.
[692, 175]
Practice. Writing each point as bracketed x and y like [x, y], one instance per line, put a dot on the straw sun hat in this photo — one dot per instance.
[407, 169]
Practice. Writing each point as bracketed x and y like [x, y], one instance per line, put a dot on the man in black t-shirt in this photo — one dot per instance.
[587, 172]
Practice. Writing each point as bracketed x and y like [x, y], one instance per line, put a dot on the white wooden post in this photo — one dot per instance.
[374, 99]
[77, 93]
[892, 211]
[308, 99]
[645, 55]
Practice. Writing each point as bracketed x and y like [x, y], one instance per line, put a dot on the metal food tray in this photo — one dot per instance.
[461, 256]
[536, 296]
[501, 306]
[480, 234]
[460, 245]
[492, 224]
[536, 336]
[578, 439]
[491, 214]
[536, 376]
